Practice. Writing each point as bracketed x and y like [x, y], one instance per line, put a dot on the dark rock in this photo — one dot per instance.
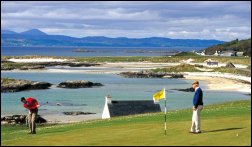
[40, 120]
[6, 61]
[230, 65]
[60, 104]
[7, 68]
[197, 65]
[43, 65]
[39, 85]
[148, 74]
[14, 85]
[20, 119]
[78, 84]
[77, 113]
[32, 67]
[8, 117]
[186, 90]
[71, 64]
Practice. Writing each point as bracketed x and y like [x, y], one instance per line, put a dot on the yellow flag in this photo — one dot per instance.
[159, 95]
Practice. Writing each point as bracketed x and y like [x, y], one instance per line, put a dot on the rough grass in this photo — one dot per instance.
[192, 68]
[13, 65]
[190, 54]
[158, 59]
[233, 71]
[163, 59]
[178, 68]
[13, 82]
[223, 124]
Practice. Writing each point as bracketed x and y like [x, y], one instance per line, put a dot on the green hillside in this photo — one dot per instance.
[226, 124]
[236, 45]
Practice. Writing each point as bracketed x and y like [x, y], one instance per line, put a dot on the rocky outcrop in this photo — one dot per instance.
[78, 84]
[32, 67]
[20, 66]
[71, 64]
[230, 65]
[77, 113]
[42, 65]
[148, 74]
[19, 119]
[15, 85]
[186, 90]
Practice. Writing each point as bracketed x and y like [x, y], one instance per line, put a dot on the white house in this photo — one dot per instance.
[217, 53]
[202, 53]
[239, 54]
[228, 53]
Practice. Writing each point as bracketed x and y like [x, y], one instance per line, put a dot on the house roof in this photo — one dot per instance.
[123, 108]
[229, 51]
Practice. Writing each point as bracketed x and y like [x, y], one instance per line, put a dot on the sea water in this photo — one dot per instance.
[93, 51]
[54, 101]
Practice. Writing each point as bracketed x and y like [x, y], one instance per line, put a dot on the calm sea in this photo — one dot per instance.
[94, 51]
[92, 99]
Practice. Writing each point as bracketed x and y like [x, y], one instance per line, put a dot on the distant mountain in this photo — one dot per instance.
[33, 32]
[8, 32]
[235, 45]
[36, 37]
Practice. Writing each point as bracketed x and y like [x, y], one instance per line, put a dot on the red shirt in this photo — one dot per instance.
[31, 103]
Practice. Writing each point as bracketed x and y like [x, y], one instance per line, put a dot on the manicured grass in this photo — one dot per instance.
[222, 124]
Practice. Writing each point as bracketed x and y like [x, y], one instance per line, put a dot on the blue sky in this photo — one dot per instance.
[222, 20]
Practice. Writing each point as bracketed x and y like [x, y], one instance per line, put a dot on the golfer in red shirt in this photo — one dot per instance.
[32, 105]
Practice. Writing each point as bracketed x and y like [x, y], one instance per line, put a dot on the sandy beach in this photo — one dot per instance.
[56, 118]
[37, 60]
[221, 83]
[215, 81]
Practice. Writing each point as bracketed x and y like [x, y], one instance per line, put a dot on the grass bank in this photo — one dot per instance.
[222, 124]
[157, 59]
[193, 68]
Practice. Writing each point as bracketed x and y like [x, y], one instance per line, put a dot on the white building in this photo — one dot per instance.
[201, 53]
[217, 53]
[239, 54]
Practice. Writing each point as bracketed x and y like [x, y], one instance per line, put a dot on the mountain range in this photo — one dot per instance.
[35, 37]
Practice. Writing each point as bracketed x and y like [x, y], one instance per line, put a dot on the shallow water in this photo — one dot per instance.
[56, 100]
[95, 51]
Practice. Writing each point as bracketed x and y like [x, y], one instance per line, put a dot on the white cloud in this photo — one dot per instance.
[201, 20]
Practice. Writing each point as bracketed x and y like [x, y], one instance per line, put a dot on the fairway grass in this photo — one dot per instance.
[222, 124]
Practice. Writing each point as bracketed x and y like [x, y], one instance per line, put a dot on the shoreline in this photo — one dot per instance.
[222, 81]
[214, 81]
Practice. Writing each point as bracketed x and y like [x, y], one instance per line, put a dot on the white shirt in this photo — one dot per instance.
[196, 88]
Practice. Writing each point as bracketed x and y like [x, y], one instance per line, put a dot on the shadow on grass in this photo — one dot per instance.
[219, 130]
